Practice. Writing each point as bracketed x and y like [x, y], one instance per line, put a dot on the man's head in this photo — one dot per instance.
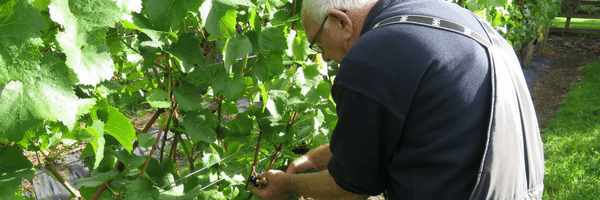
[332, 26]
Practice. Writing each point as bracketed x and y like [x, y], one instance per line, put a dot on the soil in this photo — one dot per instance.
[569, 53]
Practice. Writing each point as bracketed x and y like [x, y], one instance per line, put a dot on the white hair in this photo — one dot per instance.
[317, 9]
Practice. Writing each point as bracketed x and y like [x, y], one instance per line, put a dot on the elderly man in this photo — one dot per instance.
[432, 104]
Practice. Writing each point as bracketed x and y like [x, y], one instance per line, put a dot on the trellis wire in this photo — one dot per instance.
[197, 171]
[227, 176]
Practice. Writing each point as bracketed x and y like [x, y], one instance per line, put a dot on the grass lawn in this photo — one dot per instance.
[578, 23]
[572, 141]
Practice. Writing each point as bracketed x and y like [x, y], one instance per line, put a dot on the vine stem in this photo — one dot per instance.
[73, 191]
[294, 13]
[255, 156]
[155, 146]
[275, 156]
[135, 144]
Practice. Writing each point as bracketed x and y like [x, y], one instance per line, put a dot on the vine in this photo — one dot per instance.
[221, 76]
[519, 21]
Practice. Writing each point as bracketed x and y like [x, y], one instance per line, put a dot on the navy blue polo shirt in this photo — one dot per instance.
[413, 104]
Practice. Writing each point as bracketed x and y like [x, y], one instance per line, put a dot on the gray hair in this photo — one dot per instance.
[317, 9]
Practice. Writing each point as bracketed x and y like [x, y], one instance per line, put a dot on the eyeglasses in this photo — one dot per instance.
[312, 46]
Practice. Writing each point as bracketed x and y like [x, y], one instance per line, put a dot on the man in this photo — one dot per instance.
[432, 104]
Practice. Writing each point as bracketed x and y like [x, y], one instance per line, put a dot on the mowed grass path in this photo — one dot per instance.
[577, 23]
[572, 141]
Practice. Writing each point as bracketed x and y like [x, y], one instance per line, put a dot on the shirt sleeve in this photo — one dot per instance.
[362, 143]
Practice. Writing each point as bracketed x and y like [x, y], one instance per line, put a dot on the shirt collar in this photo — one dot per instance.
[374, 12]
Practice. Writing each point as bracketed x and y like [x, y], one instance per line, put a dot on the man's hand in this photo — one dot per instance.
[276, 188]
[315, 159]
[301, 164]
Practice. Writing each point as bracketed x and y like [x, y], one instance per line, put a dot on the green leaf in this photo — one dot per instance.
[19, 22]
[278, 3]
[243, 123]
[85, 21]
[273, 38]
[118, 126]
[201, 125]
[128, 6]
[141, 189]
[219, 17]
[110, 87]
[300, 46]
[19, 38]
[97, 178]
[49, 96]
[158, 98]
[188, 97]
[92, 64]
[84, 37]
[97, 130]
[237, 3]
[233, 89]
[166, 13]
[267, 65]
[146, 140]
[277, 103]
[189, 52]
[15, 115]
[131, 161]
[13, 168]
[237, 47]
[143, 24]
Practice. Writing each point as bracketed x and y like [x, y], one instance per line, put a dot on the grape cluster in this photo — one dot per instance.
[258, 182]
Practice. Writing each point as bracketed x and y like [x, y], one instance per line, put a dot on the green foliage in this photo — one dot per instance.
[14, 167]
[572, 142]
[519, 21]
[70, 69]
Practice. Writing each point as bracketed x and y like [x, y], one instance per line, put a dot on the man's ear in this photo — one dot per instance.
[341, 21]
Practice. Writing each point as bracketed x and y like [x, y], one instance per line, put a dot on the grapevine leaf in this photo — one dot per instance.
[83, 39]
[118, 126]
[130, 160]
[278, 3]
[300, 46]
[14, 167]
[19, 22]
[19, 37]
[237, 3]
[146, 140]
[141, 189]
[267, 65]
[497, 3]
[272, 38]
[188, 97]
[166, 13]
[51, 97]
[201, 125]
[92, 64]
[15, 114]
[277, 103]
[157, 98]
[201, 76]
[97, 130]
[242, 123]
[128, 6]
[97, 178]
[85, 21]
[143, 24]
[188, 51]
[237, 47]
[232, 89]
[218, 18]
